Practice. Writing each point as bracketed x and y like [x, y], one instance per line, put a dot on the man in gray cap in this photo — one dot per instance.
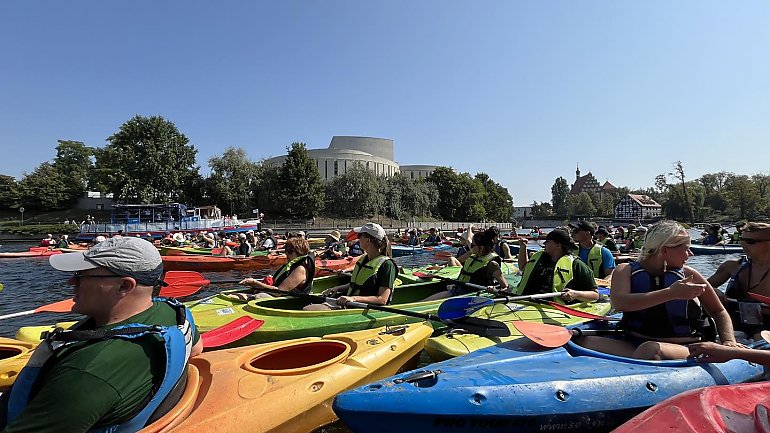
[120, 363]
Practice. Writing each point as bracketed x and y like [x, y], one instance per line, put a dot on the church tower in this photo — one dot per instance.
[577, 172]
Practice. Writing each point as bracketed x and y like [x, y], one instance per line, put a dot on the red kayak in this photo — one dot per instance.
[202, 263]
[741, 408]
[35, 253]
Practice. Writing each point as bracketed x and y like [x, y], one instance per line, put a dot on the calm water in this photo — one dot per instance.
[32, 282]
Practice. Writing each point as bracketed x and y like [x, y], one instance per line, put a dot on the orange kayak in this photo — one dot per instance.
[287, 386]
[203, 263]
[31, 253]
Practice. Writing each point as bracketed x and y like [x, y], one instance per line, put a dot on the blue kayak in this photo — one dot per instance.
[519, 386]
[406, 250]
[702, 250]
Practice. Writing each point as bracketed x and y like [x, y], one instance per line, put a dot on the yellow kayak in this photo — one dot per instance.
[287, 386]
[14, 355]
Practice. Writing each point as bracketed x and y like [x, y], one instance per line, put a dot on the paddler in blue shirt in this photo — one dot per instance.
[598, 258]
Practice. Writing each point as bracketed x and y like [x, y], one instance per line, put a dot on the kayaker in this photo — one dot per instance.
[481, 267]
[433, 239]
[294, 276]
[637, 238]
[413, 240]
[735, 237]
[598, 258]
[129, 348]
[49, 241]
[269, 243]
[555, 269]
[205, 240]
[354, 244]
[63, 242]
[712, 236]
[499, 247]
[603, 237]
[665, 304]
[333, 248]
[374, 274]
[747, 274]
[244, 247]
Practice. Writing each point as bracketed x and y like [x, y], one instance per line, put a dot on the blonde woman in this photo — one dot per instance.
[664, 302]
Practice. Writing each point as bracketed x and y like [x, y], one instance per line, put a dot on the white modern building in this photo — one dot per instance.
[343, 152]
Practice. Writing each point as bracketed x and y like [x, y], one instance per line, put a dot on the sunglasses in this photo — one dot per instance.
[751, 241]
[76, 277]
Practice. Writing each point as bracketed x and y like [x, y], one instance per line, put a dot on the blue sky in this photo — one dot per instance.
[523, 91]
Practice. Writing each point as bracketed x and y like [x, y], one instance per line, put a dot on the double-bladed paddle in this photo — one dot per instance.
[230, 332]
[427, 276]
[64, 306]
[551, 335]
[483, 327]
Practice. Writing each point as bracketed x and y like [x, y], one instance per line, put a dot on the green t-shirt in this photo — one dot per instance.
[98, 383]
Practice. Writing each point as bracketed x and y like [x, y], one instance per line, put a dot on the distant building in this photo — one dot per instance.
[522, 212]
[95, 200]
[589, 184]
[417, 171]
[637, 207]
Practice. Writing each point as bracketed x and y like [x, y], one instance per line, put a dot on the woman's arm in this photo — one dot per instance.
[714, 306]
[623, 300]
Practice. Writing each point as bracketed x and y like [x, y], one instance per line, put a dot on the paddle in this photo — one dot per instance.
[230, 332]
[761, 298]
[441, 277]
[483, 327]
[455, 308]
[552, 335]
[64, 306]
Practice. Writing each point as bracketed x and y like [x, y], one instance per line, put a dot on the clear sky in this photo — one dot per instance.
[520, 90]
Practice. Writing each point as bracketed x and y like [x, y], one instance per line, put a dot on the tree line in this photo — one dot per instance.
[148, 160]
[711, 197]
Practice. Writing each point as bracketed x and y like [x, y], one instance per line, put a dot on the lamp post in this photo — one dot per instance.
[21, 209]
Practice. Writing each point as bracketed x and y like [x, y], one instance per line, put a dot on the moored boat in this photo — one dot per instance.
[702, 250]
[527, 388]
[286, 386]
[741, 408]
[406, 250]
[201, 263]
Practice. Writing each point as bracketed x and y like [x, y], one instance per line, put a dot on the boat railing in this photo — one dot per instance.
[157, 226]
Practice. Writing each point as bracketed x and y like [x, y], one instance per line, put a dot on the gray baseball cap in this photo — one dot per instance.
[373, 229]
[124, 256]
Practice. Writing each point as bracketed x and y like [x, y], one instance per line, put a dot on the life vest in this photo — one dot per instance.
[736, 237]
[562, 273]
[363, 281]
[307, 261]
[244, 249]
[675, 318]
[355, 249]
[594, 260]
[432, 240]
[177, 340]
[474, 269]
[733, 289]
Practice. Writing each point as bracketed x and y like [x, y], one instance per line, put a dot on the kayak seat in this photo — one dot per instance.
[762, 417]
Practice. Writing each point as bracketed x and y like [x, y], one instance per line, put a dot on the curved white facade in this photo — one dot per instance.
[417, 171]
[343, 152]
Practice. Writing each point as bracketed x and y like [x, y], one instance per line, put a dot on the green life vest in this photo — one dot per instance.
[637, 243]
[286, 270]
[595, 260]
[474, 269]
[562, 272]
[363, 281]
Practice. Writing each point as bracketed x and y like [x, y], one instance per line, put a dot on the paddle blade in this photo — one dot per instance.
[456, 308]
[230, 332]
[761, 298]
[64, 306]
[577, 313]
[482, 327]
[172, 277]
[181, 290]
[543, 334]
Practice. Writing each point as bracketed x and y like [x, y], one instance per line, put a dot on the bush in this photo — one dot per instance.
[39, 229]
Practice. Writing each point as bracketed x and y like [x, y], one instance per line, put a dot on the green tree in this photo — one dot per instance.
[358, 193]
[267, 188]
[9, 192]
[559, 194]
[542, 210]
[584, 206]
[73, 162]
[147, 160]
[232, 175]
[688, 202]
[44, 189]
[742, 194]
[301, 185]
[405, 197]
[498, 203]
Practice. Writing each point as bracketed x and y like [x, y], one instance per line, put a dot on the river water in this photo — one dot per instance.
[32, 282]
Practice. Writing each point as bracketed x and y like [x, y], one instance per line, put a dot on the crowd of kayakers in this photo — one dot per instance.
[121, 366]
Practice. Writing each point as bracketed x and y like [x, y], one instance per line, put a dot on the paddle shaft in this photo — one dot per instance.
[441, 277]
[19, 314]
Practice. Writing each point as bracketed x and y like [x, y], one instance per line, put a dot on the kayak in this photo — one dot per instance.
[38, 253]
[732, 408]
[201, 263]
[702, 250]
[450, 344]
[14, 355]
[406, 250]
[286, 386]
[524, 387]
[31, 334]
[741, 408]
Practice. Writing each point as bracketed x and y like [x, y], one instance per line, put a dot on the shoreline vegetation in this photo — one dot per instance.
[148, 160]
